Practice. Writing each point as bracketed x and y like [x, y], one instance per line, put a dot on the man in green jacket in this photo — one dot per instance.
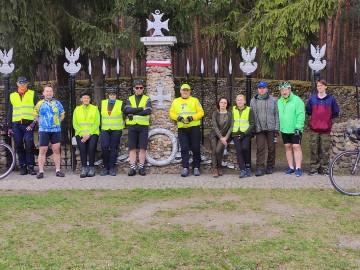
[292, 117]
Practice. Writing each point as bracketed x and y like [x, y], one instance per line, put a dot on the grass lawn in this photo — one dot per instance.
[179, 229]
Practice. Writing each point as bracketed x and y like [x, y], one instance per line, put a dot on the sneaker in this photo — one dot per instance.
[132, 172]
[215, 173]
[196, 171]
[59, 174]
[242, 174]
[248, 172]
[325, 172]
[91, 172]
[104, 172]
[259, 173]
[184, 172]
[31, 170]
[112, 172]
[298, 172]
[23, 170]
[142, 171]
[83, 172]
[289, 171]
[269, 170]
[40, 175]
[313, 171]
[221, 172]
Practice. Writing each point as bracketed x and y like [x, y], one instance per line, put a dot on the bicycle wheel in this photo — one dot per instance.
[344, 173]
[7, 160]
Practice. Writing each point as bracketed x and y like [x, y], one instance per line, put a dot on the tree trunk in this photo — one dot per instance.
[346, 44]
[98, 79]
[329, 50]
[197, 47]
[334, 45]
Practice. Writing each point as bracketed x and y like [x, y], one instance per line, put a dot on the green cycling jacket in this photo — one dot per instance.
[291, 114]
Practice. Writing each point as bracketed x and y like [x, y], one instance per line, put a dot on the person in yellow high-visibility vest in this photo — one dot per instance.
[21, 124]
[86, 122]
[243, 126]
[187, 112]
[112, 124]
[138, 110]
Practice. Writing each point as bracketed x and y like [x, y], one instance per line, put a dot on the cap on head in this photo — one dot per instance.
[284, 85]
[85, 93]
[185, 86]
[138, 82]
[262, 84]
[21, 79]
[111, 90]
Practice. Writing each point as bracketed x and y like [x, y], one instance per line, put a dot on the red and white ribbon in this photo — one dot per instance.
[166, 63]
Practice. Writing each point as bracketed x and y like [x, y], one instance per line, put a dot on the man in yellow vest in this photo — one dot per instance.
[112, 124]
[138, 110]
[21, 123]
[187, 112]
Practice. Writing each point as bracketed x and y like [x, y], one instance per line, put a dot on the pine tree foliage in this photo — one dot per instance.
[39, 29]
[282, 27]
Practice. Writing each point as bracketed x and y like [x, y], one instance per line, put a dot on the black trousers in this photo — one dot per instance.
[243, 152]
[87, 148]
[190, 138]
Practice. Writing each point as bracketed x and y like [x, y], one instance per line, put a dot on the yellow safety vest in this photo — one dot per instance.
[22, 108]
[143, 120]
[115, 120]
[186, 109]
[86, 123]
[241, 122]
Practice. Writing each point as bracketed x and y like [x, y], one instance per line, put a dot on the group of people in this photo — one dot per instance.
[265, 117]
[89, 122]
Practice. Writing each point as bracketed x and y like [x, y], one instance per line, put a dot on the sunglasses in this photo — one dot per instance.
[139, 87]
[22, 82]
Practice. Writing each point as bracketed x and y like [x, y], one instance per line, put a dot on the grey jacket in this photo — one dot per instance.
[272, 116]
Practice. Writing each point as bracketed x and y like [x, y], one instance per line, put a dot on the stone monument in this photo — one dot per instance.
[160, 88]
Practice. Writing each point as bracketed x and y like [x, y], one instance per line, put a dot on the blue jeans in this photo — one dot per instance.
[25, 154]
[110, 140]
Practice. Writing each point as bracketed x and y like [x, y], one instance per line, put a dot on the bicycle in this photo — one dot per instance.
[7, 160]
[344, 173]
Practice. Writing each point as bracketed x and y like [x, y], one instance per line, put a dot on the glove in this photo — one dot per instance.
[32, 125]
[297, 132]
[130, 117]
[180, 119]
[10, 132]
[189, 118]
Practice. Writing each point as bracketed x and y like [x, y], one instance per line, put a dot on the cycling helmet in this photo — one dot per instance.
[138, 82]
[85, 93]
[111, 90]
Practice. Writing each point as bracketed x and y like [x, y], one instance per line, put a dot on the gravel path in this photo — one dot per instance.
[160, 181]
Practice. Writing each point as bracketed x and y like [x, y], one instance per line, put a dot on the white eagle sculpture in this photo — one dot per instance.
[317, 53]
[248, 67]
[72, 56]
[5, 58]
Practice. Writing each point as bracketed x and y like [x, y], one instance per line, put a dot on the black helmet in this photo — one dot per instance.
[111, 90]
[138, 81]
[85, 93]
